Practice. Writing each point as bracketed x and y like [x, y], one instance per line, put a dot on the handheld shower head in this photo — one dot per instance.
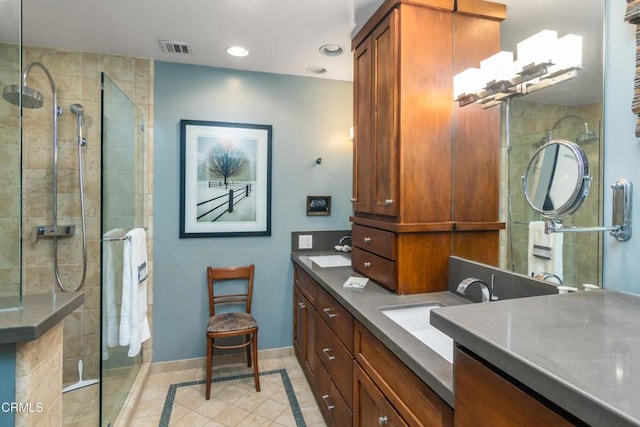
[31, 98]
[77, 109]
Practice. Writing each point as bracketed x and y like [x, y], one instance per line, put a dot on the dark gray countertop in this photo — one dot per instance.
[364, 305]
[38, 314]
[579, 350]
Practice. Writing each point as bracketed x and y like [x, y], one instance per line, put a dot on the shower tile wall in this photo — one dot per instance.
[10, 178]
[77, 77]
[530, 122]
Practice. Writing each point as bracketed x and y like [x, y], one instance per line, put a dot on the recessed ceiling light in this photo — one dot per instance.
[331, 49]
[316, 69]
[238, 51]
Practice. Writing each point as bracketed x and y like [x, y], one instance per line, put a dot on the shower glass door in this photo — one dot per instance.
[122, 209]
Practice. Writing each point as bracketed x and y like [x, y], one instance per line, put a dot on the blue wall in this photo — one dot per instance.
[311, 118]
[7, 382]
[621, 148]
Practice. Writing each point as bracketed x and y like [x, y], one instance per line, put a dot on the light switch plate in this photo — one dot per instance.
[305, 241]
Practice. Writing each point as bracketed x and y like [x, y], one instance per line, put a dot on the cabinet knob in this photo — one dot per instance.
[383, 421]
[301, 305]
[367, 264]
[367, 239]
[388, 202]
[353, 199]
[327, 401]
[327, 352]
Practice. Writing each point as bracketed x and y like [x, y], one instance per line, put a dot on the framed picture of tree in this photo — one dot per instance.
[225, 179]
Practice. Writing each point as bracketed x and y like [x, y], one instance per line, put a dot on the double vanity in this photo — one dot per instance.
[549, 359]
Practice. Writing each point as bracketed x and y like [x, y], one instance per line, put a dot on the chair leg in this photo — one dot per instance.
[256, 375]
[247, 338]
[209, 363]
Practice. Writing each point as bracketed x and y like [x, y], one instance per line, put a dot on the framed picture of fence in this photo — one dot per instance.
[225, 179]
[318, 205]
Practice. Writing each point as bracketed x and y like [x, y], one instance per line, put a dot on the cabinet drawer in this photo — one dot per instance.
[336, 317]
[306, 283]
[332, 404]
[335, 357]
[377, 268]
[411, 397]
[373, 240]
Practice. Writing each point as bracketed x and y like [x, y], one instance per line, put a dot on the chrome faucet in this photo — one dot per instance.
[487, 292]
[343, 239]
[546, 276]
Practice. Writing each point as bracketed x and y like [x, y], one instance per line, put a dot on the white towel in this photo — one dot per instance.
[112, 288]
[545, 250]
[134, 325]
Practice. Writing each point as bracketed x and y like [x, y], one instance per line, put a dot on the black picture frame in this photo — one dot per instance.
[318, 205]
[225, 179]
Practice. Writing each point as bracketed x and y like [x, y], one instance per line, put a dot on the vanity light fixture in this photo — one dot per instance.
[542, 60]
[237, 51]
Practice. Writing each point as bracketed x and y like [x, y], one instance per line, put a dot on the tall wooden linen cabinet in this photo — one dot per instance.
[405, 171]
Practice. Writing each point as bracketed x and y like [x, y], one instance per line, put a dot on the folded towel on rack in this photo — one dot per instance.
[544, 251]
[134, 325]
[112, 287]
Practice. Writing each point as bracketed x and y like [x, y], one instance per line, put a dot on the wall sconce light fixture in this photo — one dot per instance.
[543, 60]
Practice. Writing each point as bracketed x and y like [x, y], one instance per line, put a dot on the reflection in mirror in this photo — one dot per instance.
[10, 160]
[557, 179]
[570, 111]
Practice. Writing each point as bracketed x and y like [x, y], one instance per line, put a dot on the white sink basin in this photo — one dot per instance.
[415, 320]
[331, 261]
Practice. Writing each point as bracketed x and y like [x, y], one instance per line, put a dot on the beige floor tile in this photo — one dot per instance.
[255, 420]
[271, 409]
[212, 407]
[145, 421]
[233, 402]
[192, 419]
[150, 408]
[231, 416]
[286, 419]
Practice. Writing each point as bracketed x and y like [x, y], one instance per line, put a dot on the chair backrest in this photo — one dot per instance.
[217, 274]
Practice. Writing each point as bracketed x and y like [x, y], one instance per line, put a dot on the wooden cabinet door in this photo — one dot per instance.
[363, 164]
[484, 398]
[385, 50]
[304, 332]
[370, 407]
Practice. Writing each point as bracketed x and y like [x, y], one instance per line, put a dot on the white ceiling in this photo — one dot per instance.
[282, 35]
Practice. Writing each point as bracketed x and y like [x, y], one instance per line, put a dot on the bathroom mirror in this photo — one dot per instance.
[556, 181]
[570, 111]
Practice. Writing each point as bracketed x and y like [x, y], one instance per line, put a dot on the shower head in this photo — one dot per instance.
[31, 98]
[586, 137]
[77, 109]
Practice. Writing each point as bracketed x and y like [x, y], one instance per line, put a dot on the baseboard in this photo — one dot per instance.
[201, 362]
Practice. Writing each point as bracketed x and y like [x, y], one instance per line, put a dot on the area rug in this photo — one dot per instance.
[293, 401]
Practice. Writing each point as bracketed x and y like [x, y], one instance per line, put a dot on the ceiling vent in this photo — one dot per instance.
[179, 48]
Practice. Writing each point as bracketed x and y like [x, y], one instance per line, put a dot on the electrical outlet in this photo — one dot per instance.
[305, 241]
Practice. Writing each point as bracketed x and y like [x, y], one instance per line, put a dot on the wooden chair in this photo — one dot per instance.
[224, 325]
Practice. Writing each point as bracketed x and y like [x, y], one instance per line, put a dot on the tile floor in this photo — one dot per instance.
[233, 402]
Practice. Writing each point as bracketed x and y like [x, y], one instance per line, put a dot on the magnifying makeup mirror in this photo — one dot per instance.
[557, 179]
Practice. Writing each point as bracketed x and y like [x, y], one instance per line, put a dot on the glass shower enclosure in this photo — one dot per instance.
[123, 184]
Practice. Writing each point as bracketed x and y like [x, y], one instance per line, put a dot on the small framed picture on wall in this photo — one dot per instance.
[318, 205]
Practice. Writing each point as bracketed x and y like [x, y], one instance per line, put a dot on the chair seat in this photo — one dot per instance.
[228, 322]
